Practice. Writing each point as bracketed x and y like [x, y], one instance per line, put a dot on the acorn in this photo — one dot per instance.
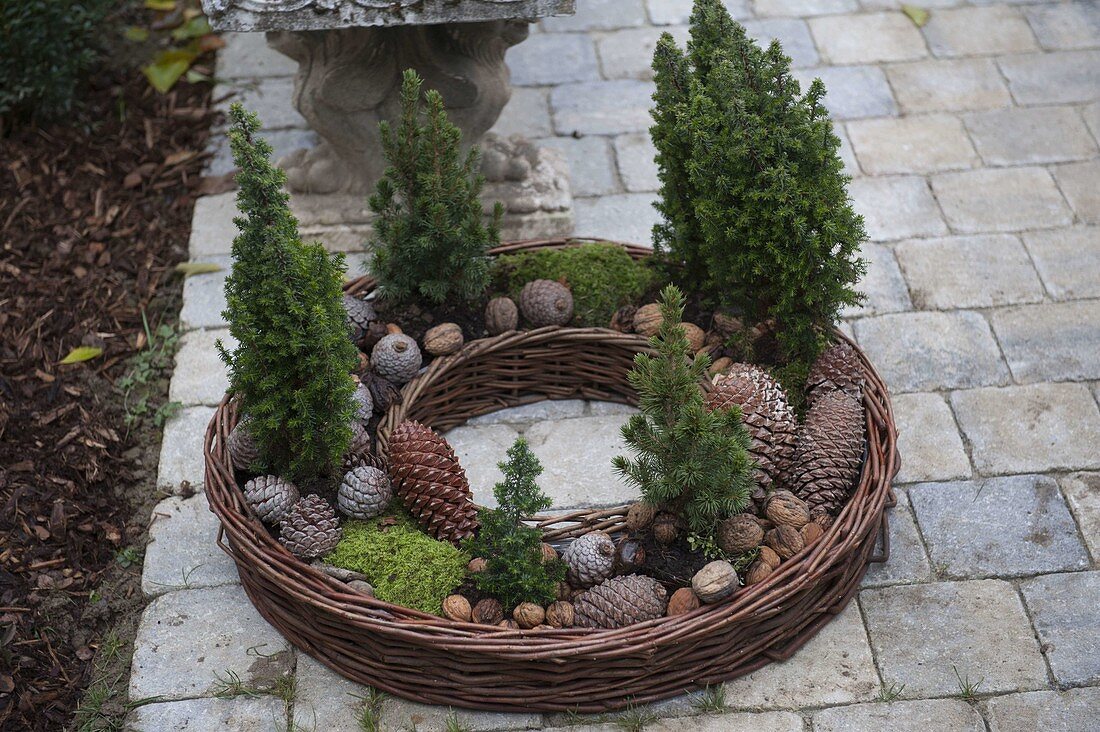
[528, 614]
[457, 607]
[683, 600]
[443, 339]
[648, 319]
[549, 553]
[546, 302]
[720, 365]
[487, 611]
[501, 315]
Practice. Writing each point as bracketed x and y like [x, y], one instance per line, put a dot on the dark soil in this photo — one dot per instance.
[94, 214]
[673, 565]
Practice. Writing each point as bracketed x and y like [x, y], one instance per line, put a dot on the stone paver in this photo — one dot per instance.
[924, 634]
[793, 35]
[928, 439]
[1063, 608]
[896, 207]
[883, 284]
[600, 15]
[942, 715]
[1083, 493]
[635, 155]
[628, 217]
[1005, 199]
[1067, 711]
[948, 86]
[1053, 78]
[247, 55]
[527, 113]
[204, 295]
[601, 107]
[200, 376]
[739, 722]
[324, 700]
[283, 142]
[400, 714]
[908, 561]
[212, 228]
[1010, 526]
[803, 7]
[479, 449]
[241, 714]
[1067, 261]
[181, 456]
[182, 552]
[1027, 429]
[1018, 136]
[628, 54]
[916, 144]
[1065, 26]
[852, 92]
[551, 58]
[576, 456]
[978, 32]
[870, 38]
[1078, 182]
[590, 161]
[270, 99]
[1052, 342]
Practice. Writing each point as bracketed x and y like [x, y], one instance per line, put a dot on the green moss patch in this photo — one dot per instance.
[406, 566]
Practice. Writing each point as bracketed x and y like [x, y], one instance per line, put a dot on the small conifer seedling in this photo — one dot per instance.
[290, 370]
[690, 460]
[429, 239]
[515, 571]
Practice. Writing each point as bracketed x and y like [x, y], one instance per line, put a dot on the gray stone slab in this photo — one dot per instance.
[591, 164]
[204, 295]
[803, 7]
[635, 156]
[528, 414]
[601, 107]
[948, 85]
[212, 227]
[917, 144]
[325, 700]
[1066, 26]
[283, 142]
[846, 153]
[271, 99]
[1082, 490]
[932, 350]
[247, 55]
[978, 32]
[928, 440]
[628, 54]
[738, 722]
[1079, 184]
[908, 562]
[200, 376]
[187, 639]
[182, 552]
[1002, 199]
[792, 33]
[479, 449]
[1051, 342]
[1063, 609]
[852, 92]
[867, 38]
[882, 284]
[576, 458]
[1091, 114]
[181, 457]
[924, 634]
[599, 15]
[601, 408]
[1067, 260]
[968, 272]
[241, 714]
[896, 207]
[941, 715]
[1072, 710]
[628, 217]
[998, 527]
[1053, 78]
[400, 714]
[553, 58]
[671, 12]
[527, 113]
[834, 667]
[1021, 136]
[1029, 429]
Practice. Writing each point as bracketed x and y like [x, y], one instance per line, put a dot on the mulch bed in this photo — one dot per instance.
[94, 215]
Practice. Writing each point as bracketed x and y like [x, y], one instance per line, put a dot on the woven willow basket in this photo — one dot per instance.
[438, 661]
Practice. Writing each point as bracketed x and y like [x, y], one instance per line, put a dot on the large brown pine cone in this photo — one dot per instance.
[836, 369]
[431, 483]
[829, 454]
[310, 529]
[620, 601]
[766, 413]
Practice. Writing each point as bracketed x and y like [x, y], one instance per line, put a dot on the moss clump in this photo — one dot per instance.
[406, 566]
[602, 277]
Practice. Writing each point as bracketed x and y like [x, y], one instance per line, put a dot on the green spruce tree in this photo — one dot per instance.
[515, 571]
[429, 239]
[753, 194]
[693, 461]
[290, 370]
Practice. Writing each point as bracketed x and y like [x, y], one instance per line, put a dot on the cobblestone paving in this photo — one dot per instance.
[972, 143]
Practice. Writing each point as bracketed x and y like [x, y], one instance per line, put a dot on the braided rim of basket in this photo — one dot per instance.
[259, 555]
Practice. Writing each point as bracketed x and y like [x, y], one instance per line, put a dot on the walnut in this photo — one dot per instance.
[769, 557]
[623, 319]
[559, 614]
[811, 532]
[785, 540]
[639, 516]
[443, 339]
[695, 335]
[564, 591]
[392, 328]
[758, 572]
[739, 534]
[726, 325]
[501, 315]
[820, 516]
[647, 320]
[785, 508]
[715, 581]
[665, 528]
[508, 624]
[629, 556]
[720, 365]
[549, 553]
[683, 600]
[457, 607]
[528, 614]
[477, 565]
[488, 612]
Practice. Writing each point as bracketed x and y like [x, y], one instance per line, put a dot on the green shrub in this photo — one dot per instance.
[602, 277]
[49, 46]
[406, 566]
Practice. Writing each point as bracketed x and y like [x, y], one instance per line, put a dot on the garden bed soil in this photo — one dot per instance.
[95, 212]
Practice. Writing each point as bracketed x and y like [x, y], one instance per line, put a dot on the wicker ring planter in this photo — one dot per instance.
[438, 661]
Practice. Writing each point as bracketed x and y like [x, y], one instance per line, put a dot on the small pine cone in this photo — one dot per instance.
[396, 357]
[432, 484]
[545, 302]
[243, 450]
[383, 391]
[310, 529]
[363, 459]
[590, 559]
[360, 314]
[620, 601]
[364, 493]
[364, 403]
[766, 413]
[838, 368]
[829, 454]
[360, 437]
[501, 315]
[270, 496]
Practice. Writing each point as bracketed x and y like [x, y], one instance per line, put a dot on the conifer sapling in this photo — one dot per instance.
[429, 239]
[515, 571]
[290, 370]
[688, 460]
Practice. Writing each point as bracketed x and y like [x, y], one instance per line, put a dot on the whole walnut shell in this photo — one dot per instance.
[720, 365]
[727, 325]
[683, 600]
[769, 557]
[509, 624]
[443, 339]
[623, 319]
[559, 614]
[477, 565]
[457, 607]
[785, 540]
[739, 533]
[666, 527]
[528, 614]
[549, 553]
[715, 581]
[648, 319]
[820, 516]
[695, 335]
[786, 509]
[488, 611]
[811, 532]
[501, 315]
[546, 302]
[758, 572]
[639, 516]
[565, 592]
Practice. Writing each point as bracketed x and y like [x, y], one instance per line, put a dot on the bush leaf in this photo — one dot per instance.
[168, 67]
[919, 16]
[82, 354]
[193, 268]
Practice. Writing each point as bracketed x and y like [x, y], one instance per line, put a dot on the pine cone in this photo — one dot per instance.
[364, 493]
[396, 357]
[837, 369]
[360, 437]
[620, 601]
[590, 559]
[431, 483]
[363, 459]
[766, 413]
[360, 314]
[310, 529]
[829, 453]
[383, 391]
[270, 496]
[242, 447]
[364, 403]
[545, 302]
